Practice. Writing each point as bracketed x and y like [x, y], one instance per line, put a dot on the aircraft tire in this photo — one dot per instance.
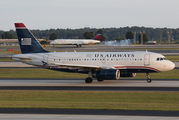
[149, 80]
[88, 80]
[100, 80]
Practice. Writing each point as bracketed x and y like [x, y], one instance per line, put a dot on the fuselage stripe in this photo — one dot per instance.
[136, 67]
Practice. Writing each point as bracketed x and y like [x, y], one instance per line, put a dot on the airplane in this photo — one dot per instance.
[99, 65]
[77, 42]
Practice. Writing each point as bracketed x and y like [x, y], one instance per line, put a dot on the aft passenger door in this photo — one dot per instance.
[146, 59]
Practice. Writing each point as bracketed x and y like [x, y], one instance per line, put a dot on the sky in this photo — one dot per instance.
[73, 14]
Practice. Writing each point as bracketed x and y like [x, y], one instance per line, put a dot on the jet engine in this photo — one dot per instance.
[127, 74]
[108, 74]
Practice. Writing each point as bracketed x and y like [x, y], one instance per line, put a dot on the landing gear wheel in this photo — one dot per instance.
[100, 80]
[88, 80]
[149, 80]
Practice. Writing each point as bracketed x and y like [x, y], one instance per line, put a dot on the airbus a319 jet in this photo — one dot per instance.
[77, 42]
[99, 65]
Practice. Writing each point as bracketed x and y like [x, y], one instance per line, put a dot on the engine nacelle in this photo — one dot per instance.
[108, 74]
[127, 74]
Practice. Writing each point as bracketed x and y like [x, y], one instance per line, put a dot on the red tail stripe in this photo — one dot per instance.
[19, 25]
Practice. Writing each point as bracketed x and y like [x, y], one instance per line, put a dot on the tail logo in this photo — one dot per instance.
[26, 41]
[44, 63]
[98, 37]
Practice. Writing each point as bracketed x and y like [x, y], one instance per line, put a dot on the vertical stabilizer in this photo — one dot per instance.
[98, 36]
[27, 41]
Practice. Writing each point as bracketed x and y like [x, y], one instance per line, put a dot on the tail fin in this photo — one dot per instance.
[27, 41]
[98, 36]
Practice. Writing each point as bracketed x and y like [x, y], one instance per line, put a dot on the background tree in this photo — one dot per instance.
[88, 35]
[109, 33]
[145, 38]
[129, 35]
[99, 31]
[53, 36]
[8, 35]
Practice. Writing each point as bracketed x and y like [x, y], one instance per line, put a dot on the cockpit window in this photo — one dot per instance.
[160, 59]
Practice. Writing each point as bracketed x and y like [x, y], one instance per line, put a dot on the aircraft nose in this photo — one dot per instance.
[170, 66]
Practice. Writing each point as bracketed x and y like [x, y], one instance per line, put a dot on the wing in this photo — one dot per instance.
[86, 67]
[78, 66]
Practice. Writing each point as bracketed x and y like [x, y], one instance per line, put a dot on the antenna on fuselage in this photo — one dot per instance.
[146, 50]
[74, 50]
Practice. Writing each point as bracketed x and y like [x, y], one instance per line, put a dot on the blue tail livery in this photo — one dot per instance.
[27, 41]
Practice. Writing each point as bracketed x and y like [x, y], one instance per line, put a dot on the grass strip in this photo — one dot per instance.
[174, 58]
[46, 73]
[162, 101]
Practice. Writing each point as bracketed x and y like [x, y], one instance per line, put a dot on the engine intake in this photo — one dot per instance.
[108, 74]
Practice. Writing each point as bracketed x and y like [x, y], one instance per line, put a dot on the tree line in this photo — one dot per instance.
[157, 34]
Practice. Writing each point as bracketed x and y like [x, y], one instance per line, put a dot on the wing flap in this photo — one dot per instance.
[76, 65]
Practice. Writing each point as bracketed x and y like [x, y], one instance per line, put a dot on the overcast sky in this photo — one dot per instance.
[47, 14]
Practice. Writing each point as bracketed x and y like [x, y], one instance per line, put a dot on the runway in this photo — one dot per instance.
[108, 85]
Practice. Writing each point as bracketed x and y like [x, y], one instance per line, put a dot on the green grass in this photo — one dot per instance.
[46, 73]
[162, 101]
[174, 58]
[37, 73]
[7, 60]
[6, 52]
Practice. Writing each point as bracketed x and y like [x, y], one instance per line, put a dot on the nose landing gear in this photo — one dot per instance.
[149, 80]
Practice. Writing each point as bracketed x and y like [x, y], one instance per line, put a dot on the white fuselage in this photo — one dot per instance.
[73, 42]
[105, 60]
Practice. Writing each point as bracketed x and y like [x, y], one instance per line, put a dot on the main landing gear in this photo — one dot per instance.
[89, 78]
[100, 80]
[149, 80]
[78, 45]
